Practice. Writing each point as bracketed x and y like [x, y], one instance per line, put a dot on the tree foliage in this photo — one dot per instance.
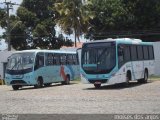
[3, 18]
[73, 15]
[125, 18]
[33, 26]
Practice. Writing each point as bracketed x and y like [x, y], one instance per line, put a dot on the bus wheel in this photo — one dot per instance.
[67, 82]
[47, 84]
[97, 86]
[145, 79]
[63, 82]
[128, 78]
[15, 87]
[39, 83]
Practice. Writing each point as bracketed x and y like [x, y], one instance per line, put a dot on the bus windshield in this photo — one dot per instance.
[98, 57]
[21, 61]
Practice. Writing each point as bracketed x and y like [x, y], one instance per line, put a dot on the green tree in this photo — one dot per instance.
[73, 15]
[3, 18]
[33, 26]
[17, 33]
[109, 15]
[38, 18]
[125, 18]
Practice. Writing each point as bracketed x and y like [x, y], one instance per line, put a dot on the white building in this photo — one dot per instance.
[3, 62]
[3, 45]
[157, 58]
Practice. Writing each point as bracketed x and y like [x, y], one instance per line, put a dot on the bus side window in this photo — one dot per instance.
[56, 59]
[69, 59]
[134, 55]
[39, 60]
[140, 52]
[127, 54]
[49, 59]
[75, 60]
[145, 53]
[63, 59]
[120, 55]
[151, 53]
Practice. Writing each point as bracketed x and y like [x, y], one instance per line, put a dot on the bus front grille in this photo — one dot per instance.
[18, 82]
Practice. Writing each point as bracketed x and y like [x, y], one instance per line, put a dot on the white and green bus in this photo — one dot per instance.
[41, 67]
[118, 60]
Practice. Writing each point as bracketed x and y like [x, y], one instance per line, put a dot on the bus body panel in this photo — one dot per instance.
[119, 76]
[51, 74]
[27, 79]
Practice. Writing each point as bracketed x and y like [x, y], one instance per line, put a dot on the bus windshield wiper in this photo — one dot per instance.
[16, 64]
[101, 55]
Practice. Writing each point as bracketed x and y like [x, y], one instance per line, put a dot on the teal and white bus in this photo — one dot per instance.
[118, 60]
[41, 67]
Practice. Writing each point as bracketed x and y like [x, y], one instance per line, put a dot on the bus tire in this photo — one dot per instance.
[63, 82]
[67, 81]
[39, 82]
[15, 87]
[97, 86]
[145, 79]
[47, 84]
[128, 78]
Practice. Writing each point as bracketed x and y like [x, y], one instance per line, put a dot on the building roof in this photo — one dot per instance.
[79, 45]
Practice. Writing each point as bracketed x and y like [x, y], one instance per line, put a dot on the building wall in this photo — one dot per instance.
[157, 57]
[3, 59]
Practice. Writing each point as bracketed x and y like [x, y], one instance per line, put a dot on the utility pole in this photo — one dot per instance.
[9, 5]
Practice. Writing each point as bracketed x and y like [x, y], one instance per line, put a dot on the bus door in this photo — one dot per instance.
[121, 63]
[39, 66]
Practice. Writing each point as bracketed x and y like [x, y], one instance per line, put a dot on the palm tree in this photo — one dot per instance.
[73, 15]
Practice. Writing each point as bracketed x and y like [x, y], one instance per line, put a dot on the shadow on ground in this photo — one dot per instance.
[44, 87]
[119, 86]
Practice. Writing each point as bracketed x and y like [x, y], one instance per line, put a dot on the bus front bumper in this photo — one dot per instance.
[99, 81]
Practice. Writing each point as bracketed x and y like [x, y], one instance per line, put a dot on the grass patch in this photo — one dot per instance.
[153, 77]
